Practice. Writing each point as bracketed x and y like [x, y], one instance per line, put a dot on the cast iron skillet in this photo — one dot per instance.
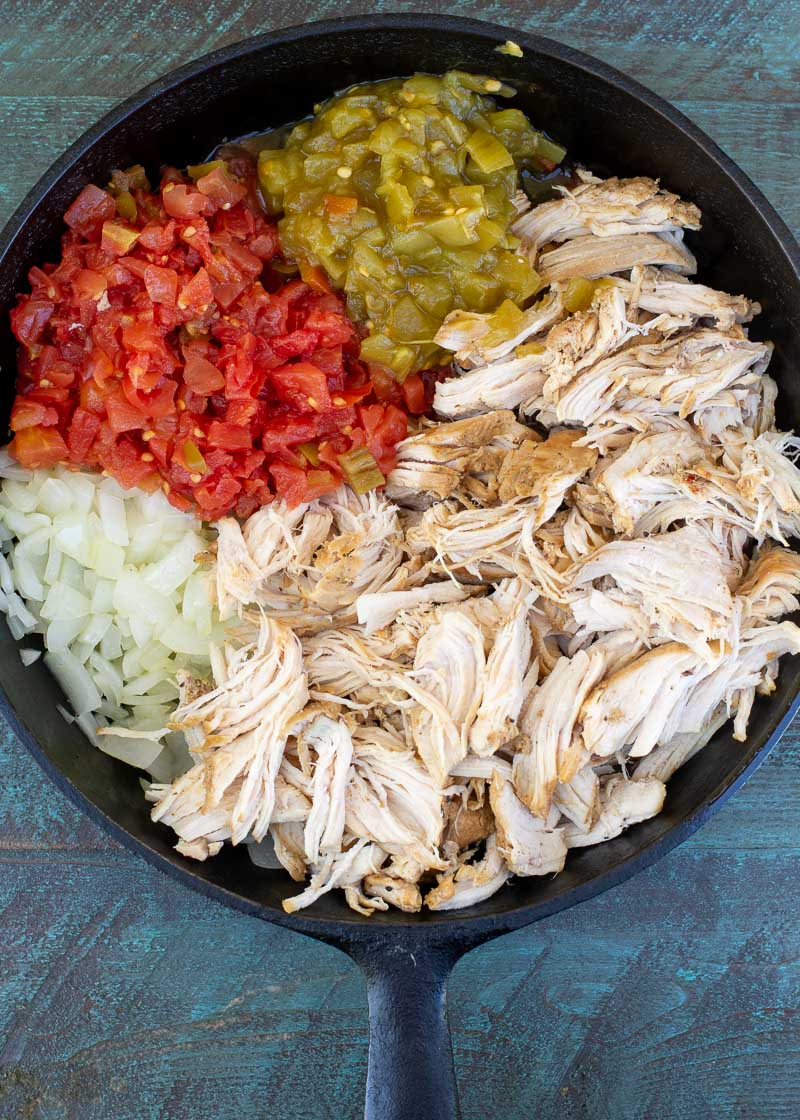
[608, 122]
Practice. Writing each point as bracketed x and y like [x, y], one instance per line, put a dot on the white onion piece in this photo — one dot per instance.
[77, 683]
[109, 578]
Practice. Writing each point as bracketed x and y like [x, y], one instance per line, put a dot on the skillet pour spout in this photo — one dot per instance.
[609, 123]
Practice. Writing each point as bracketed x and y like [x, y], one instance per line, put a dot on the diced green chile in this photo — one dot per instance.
[432, 163]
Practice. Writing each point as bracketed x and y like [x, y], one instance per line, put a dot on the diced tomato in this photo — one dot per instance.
[164, 349]
[228, 437]
[99, 366]
[288, 431]
[29, 319]
[158, 238]
[123, 460]
[196, 294]
[413, 389]
[37, 448]
[90, 209]
[28, 413]
[89, 284]
[201, 375]
[222, 188]
[161, 284]
[303, 386]
[290, 483]
[83, 428]
[122, 415]
[218, 492]
[155, 404]
[91, 397]
[182, 201]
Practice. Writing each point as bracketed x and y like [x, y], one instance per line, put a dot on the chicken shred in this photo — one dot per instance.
[510, 651]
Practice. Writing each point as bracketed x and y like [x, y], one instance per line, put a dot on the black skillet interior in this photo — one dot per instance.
[607, 122]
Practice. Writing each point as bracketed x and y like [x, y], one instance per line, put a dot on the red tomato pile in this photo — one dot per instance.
[168, 348]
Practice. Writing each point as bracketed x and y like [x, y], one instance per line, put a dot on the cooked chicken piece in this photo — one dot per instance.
[344, 869]
[259, 563]
[441, 458]
[579, 800]
[504, 685]
[378, 610]
[341, 661]
[291, 804]
[471, 883]
[635, 703]
[199, 849]
[230, 792]
[451, 667]
[503, 384]
[769, 478]
[280, 539]
[676, 582]
[679, 303]
[772, 584]
[310, 563]
[331, 741]
[668, 757]
[238, 576]
[592, 257]
[677, 375]
[486, 543]
[554, 751]
[544, 640]
[545, 472]
[364, 554]
[393, 800]
[524, 841]
[474, 766]
[605, 208]
[289, 843]
[653, 469]
[670, 476]
[750, 665]
[397, 892]
[476, 343]
[583, 339]
[622, 803]
[580, 536]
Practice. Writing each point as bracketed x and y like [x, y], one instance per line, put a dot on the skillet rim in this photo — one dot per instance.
[446, 926]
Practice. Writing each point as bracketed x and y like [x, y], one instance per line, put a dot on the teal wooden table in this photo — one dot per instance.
[126, 997]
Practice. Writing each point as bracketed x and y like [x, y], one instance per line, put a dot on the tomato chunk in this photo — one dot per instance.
[38, 447]
[164, 348]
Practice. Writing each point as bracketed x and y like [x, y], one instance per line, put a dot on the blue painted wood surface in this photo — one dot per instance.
[125, 997]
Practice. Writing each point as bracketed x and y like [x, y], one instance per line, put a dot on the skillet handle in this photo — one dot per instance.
[410, 1074]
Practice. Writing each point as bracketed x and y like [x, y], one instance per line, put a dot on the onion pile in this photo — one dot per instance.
[114, 583]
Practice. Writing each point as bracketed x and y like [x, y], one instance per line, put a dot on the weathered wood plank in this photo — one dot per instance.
[125, 996]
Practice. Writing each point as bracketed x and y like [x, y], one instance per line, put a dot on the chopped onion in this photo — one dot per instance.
[110, 580]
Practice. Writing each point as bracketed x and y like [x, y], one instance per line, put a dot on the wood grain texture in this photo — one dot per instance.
[125, 997]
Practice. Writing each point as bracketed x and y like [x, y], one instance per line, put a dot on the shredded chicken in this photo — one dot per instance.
[510, 651]
[528, 846]
[606, 208]
[444, 459]
[622, 803]
[229, 793]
